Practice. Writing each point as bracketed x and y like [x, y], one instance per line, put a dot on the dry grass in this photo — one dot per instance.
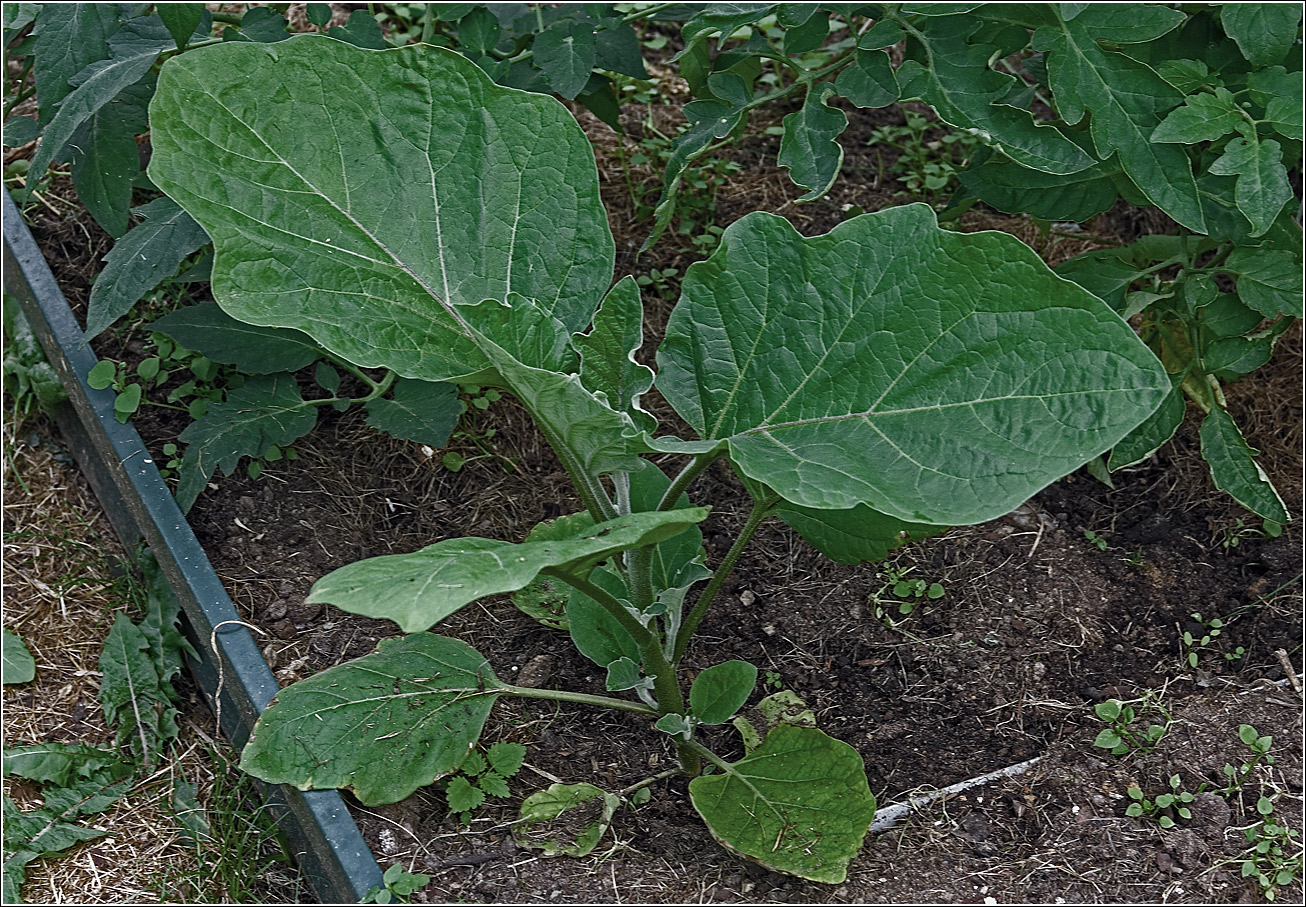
[62, 586]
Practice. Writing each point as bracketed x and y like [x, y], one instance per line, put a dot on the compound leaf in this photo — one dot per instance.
[1234, 467]
[360, 196]
[382, 725]
[148, 254]
[255, 350]
[797, 804]
[426, 412]
[1202, 118]
[420, 589]
[949, 376]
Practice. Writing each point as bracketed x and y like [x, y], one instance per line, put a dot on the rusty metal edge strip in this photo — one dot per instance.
[328, 844]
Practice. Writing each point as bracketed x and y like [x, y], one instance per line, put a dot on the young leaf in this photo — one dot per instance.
[1234, 468]
[426, 412]
[607, 353]
[368, 244]
[624, 674]
[598, 635]
[798, 804]
[506, 758]
[1262, 188]
[420, 589]
[1263, 31]
[267, 410]
[1202, 118]
[19, 666]
[869, 81]
[721, 690]
[206, 329]
[1124, 97]
[576, 835]
[462, 796]
[182, 20]
[149, 253]
[810, 150]
[565, 51]
[382, 725]
[923, 358]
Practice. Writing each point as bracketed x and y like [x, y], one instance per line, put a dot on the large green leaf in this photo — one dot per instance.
[69, 37]
[938, 377]
[798, 804]
[382, 725]
[1269, 280]
[1125, 98]
[420, 589]
[360, 195]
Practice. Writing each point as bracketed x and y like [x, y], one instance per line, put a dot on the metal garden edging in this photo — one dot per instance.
[327, 843]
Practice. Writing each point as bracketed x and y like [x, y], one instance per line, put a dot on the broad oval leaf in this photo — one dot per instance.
[420, 589]
[361, 196]
[721, 690]
[798, 804]
[938, 377]
[382, 725]
[19, 666]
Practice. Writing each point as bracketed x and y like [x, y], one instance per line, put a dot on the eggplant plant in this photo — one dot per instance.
[868, 386]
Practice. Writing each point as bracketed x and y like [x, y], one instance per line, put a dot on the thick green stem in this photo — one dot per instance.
[666, 687]
[680, 484]
[591, 491]
[755, 518]
[606, 702]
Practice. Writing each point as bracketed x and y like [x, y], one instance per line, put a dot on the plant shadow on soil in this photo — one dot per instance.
[1036, 625]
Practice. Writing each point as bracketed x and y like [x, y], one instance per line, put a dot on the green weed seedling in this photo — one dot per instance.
[1274, 858]
[907, 594]
[927, 169]
[1120, 737]
[398, 885]
[1097, 540]
[482, 776]
[860, 446]
[1260, 746]
[1165, 807]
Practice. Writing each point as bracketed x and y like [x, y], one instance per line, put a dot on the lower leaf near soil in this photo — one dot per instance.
[799, 804]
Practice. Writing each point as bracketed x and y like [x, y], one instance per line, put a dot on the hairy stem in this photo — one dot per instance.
[755, 518]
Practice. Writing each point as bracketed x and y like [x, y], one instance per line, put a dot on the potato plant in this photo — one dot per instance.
[869, 386]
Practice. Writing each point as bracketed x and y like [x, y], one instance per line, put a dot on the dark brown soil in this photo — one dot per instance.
[1035, 627]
